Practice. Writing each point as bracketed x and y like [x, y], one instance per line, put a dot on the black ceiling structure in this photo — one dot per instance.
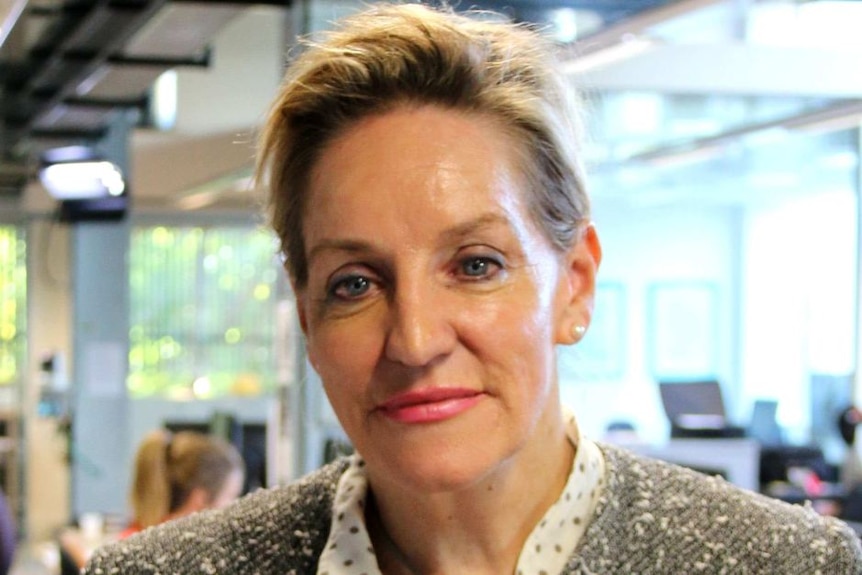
[68, 66]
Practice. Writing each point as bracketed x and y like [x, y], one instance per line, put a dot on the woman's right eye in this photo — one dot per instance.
[350, 287]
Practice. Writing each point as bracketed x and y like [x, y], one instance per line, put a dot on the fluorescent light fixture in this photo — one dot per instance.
[67, 154]
[83, 180]
[163, 103]
[77, 173]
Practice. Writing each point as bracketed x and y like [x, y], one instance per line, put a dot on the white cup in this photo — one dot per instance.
[92, 525]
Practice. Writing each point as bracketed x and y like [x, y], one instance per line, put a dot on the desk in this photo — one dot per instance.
[827, 499]
[737, 459]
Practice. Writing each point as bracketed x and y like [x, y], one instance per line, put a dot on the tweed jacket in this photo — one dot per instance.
[653, 518]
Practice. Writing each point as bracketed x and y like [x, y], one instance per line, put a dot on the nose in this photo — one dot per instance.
[419, 332]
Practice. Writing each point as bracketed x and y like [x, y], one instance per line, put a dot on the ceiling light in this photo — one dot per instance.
[77, 173]
[82, 180]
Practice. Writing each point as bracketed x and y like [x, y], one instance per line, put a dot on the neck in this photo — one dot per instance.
[481, 529]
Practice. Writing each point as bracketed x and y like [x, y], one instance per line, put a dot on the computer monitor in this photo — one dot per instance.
[693, 403]
[696, 409]
[764, 425]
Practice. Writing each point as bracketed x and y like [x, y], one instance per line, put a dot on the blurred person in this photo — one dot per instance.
[8, 536]
[175, 474]
[850, 472]
[425, 183]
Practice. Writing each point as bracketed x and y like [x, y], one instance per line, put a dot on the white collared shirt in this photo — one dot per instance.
[349, 551]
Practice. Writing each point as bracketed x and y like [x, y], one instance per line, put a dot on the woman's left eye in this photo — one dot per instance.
[350, 287]
[479, 267]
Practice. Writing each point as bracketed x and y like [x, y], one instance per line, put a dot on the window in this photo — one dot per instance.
[203, 311]
[13, 304]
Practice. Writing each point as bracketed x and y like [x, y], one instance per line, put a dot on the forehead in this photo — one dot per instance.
[428, 157]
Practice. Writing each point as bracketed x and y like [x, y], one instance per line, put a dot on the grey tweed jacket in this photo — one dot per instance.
[654, 518]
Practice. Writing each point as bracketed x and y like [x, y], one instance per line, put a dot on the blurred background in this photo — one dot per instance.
[139, 288]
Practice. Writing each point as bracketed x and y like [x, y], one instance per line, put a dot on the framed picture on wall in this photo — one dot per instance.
[682, 329]
[600, 356]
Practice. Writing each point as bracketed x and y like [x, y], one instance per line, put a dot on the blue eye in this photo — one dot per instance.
[350, 287]
[479, 267]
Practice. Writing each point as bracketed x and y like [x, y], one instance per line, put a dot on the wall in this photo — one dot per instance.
[785, 271]
[798, 313]
[644, 245]
[49, 331]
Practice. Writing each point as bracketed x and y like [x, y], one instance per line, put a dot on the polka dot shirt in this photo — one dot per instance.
[349, 551]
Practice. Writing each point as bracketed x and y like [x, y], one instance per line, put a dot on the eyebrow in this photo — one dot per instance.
[487, 220]
[345, 245]
[456, 232]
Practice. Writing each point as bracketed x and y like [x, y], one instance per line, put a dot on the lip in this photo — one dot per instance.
[429, 405]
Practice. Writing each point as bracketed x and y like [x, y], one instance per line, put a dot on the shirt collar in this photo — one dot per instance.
[348, 549]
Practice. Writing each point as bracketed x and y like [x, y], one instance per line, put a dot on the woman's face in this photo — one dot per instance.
[434, 303]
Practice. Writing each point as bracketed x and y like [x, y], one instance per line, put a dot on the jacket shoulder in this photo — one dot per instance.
[278, 530]
[656, 517]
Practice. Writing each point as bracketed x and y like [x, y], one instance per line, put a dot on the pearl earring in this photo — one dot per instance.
[578, 332]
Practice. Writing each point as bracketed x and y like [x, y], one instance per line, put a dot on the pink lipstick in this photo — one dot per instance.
[429, 405]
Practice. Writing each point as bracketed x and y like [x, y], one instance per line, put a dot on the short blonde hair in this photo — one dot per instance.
[393, 55]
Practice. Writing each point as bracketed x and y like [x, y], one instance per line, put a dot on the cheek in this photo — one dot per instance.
[524, 331]
[530, 317]
[344, 356]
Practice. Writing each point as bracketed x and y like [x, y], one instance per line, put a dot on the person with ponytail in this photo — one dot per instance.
[177, 474]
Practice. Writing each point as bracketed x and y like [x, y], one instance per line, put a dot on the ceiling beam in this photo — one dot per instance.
[734, 69]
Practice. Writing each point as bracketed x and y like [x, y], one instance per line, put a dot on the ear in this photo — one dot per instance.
[578, 286]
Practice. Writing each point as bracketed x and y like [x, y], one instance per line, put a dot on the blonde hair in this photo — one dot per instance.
[168, 466]
[410, 54]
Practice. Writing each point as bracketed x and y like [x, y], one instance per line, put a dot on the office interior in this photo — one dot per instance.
[722, 144]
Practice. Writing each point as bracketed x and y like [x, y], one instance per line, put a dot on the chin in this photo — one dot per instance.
[442, 469]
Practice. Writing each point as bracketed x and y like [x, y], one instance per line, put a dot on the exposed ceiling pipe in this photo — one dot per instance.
[613, 36]
[841, 116]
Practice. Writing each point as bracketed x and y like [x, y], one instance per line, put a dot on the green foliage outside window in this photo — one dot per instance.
[13, 304]
[202, 311]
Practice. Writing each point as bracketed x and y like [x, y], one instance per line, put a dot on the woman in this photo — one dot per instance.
[426, 190]
[176, 474]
